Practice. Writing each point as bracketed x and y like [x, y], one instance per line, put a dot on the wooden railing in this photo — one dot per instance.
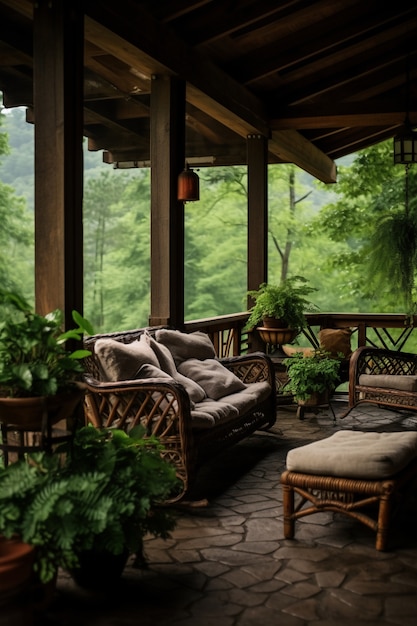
[394, 331]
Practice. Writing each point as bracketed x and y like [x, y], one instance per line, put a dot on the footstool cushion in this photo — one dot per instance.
[355, 454]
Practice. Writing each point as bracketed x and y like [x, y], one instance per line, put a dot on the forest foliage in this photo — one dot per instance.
[342, 238]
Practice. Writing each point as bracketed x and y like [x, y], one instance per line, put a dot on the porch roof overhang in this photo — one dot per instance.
[319, 79]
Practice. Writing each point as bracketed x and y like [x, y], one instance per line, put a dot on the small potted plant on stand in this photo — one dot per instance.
[40, 379]
[281, 310]
[311, 378]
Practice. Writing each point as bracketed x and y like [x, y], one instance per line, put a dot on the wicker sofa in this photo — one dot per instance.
[153, 376]
[384, 377]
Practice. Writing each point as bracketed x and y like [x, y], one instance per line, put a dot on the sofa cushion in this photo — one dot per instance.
[355, 454]
[404, 382]
[151, 371]
[185, 346]
[216, 380]
[208, 413]
[336, 341]
[121, 361]
[162, 353]
[167, 364]
[244, 400]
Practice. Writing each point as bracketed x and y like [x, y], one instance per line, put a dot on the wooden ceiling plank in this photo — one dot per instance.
[324, 51]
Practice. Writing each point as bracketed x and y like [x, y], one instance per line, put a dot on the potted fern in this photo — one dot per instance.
[99, 495]
[280, 309]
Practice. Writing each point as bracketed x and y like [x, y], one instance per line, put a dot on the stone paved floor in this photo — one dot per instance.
[228, 564]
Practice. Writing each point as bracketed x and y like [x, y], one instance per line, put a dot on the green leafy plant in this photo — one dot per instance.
[286, 301]
[34, 360]
[100, 494]
[311, 374]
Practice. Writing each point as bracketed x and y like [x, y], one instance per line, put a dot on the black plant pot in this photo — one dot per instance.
[99, 570]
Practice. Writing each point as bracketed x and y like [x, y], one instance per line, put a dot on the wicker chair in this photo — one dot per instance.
[387, 378]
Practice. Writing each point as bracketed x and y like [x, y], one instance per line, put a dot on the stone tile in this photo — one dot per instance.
[348, 605]
[259, 547]
[211, 569]
[247, 597]
[330, 578]
[301, 590]
[263, 569]
[289, 575]
[262, 530]
[305, 610]
[294, 551]
[364, 588]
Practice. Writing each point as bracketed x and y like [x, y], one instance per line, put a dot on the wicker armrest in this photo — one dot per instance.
[367, 360]
[251, 368]
[163, 408]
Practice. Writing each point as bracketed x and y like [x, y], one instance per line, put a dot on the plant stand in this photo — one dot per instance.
[315, 401]
[37, 424]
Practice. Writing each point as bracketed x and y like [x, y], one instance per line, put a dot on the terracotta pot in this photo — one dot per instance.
[273, 322]
[16, 562]
[29, 413]
[316, 399]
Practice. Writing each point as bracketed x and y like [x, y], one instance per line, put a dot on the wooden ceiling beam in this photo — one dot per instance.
[288, 144]
[338, 115]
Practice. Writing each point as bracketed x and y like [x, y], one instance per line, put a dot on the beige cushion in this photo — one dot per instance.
[389, 381]
[291, 350]
[355, 454]
[167, 364]
[244, 400]
[151, 371]
[185, 346]
[216, 380]
[120, 361]
[336, 341]
[208, 413]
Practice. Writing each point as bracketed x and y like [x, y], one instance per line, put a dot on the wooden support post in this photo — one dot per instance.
[257, 210]
[58, 107]
[167, 213]
[257, 256]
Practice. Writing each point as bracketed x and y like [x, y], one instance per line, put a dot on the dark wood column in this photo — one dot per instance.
[167, 213]
[58, 108]
[257, 151]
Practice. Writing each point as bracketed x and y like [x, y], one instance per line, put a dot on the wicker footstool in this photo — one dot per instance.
[359, 474]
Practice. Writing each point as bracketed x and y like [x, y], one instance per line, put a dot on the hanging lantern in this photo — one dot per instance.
[188, 185]
[405, 146]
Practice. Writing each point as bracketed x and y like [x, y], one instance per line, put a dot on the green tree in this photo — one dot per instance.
[376, 229]
[117, 244]
[16, 234]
